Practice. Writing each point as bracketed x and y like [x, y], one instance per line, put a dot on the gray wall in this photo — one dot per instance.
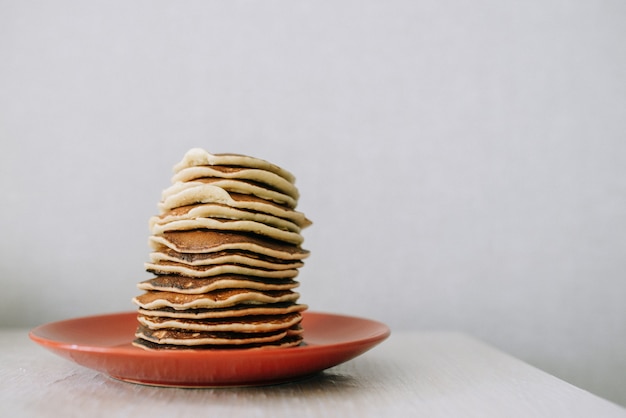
[463, 162]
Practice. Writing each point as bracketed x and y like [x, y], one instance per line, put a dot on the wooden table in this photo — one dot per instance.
[410, 374]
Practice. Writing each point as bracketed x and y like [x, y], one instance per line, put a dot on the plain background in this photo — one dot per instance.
[464, 163]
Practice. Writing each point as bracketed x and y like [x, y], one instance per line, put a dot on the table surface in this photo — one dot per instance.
[430, 374]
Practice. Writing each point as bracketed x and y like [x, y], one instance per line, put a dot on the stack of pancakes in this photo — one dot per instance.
[226, 251]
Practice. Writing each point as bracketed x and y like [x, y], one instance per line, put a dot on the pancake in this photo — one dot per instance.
[247, 324]
[178, 337]
[170, 267]
[216, 299]
[220, 211]
[185, 194]
[224, 257]
[227, 312]
[285, 342]
[267, 178]
[228, 225]
[200, 241]
[188, 285]
[229, 186]
[206, 193]
[199, 157]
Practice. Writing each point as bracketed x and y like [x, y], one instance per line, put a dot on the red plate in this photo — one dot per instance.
[103, 343]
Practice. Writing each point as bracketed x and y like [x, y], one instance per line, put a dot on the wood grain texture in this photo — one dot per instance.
[410, 374]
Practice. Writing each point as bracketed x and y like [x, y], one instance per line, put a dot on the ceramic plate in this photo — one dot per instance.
[103, 343]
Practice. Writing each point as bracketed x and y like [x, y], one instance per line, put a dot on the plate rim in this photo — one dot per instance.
[376, 337]
[202, 368]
